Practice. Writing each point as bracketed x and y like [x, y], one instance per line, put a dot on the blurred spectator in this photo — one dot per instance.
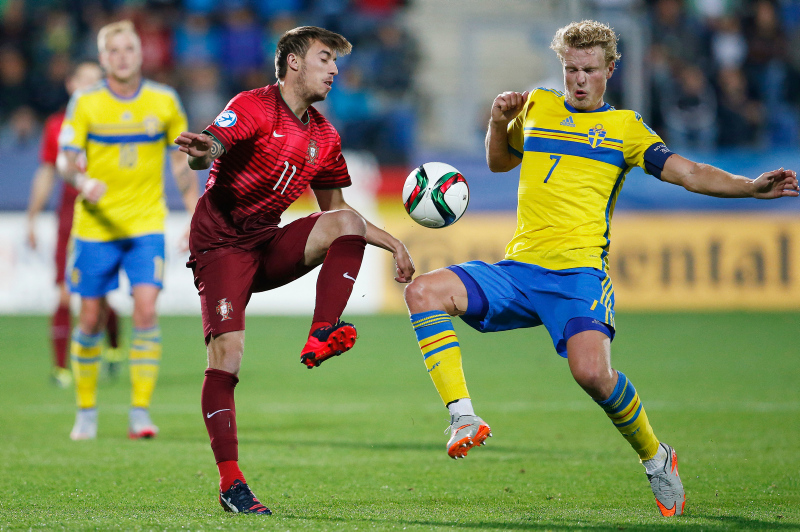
[267, 9]
[156, 37]
[690, 111]
[396, 60]
[241, 46]
[21, 130]
[197, 42]
[679, 35]
[740, 119]
[765, 66]
[15, 91]
[48, 91]
[202, 95]
[355, 111]
[767, 71]
[728, 45]
[15, 29]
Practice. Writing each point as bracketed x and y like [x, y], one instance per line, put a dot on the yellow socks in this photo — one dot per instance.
[441, 353]
[85, 357]
[625, 410]
[144, 360]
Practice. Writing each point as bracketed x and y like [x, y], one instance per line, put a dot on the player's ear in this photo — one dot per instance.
[293, 62]
[611, 66]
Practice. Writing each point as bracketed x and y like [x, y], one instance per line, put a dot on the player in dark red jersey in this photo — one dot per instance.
[267, 147]
[83, 76]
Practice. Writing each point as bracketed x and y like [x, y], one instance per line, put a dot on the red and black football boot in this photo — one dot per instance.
[327, 342]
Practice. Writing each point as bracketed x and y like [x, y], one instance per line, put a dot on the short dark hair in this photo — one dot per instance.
[298, 40]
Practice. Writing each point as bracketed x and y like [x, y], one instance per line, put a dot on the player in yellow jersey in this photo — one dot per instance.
[123, 124]
[575, 151]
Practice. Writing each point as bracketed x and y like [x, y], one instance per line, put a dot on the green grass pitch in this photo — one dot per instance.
[358, 442]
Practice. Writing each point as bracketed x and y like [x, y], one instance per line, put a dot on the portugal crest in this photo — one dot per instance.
[596, 135]
[312, 152]
[224, 308]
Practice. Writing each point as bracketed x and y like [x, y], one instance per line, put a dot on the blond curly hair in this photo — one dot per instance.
[586, 34]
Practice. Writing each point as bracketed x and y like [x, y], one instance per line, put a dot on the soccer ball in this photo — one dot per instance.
[435, 195]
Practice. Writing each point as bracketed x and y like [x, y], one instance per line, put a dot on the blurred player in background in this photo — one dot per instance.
[575, 151]
[123, 125]
[82, 77]
[267, 147]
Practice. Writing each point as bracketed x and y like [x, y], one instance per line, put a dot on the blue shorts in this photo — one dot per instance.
[94, 268]
[514, 295]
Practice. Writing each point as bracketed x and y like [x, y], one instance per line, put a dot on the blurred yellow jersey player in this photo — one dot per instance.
[125, 140]
[573, 167]
[122, 125]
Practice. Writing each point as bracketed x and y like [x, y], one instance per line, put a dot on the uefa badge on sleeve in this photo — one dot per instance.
[226, 119]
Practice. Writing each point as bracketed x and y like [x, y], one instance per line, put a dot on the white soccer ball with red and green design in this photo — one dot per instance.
[435, 195]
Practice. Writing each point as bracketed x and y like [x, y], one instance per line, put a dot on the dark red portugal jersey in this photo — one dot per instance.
[48, 154]
[271, 158]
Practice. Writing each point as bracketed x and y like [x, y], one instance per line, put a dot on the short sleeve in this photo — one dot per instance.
[639, 137]
[243, 118]
[516, 129]
[334, 173]
[75, 127]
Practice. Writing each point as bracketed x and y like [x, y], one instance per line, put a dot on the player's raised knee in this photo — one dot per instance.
[347, 222]
[421, 294]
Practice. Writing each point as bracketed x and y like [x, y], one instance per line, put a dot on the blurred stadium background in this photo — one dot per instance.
[713, 77]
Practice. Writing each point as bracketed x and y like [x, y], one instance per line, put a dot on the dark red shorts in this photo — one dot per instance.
[226, 277]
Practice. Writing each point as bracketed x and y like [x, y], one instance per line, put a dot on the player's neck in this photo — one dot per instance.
[294, 101]
[124, 88]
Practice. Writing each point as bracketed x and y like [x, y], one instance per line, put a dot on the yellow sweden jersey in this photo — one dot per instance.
[573, 167]
[125, 141]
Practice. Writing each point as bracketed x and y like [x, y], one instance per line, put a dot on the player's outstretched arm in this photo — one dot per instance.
[41, 187]
[202, 149]
[333, 199]
[713, 181]
[67, 165]
[505, 108]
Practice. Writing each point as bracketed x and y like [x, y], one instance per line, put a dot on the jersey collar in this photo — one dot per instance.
[604, 107]
[124, 98]
[297, 119]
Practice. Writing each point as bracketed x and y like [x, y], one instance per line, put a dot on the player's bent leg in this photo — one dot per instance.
[337, 240]
[432, 299]
[589, 356]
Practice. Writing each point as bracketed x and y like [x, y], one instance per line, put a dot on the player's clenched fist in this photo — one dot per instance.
[507, 106]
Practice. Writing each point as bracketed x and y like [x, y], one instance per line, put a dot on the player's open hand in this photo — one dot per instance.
[776, 184]
[194, 144]
[507, 106]
[405, 266]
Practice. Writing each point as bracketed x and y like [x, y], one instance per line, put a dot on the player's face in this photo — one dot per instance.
[317, 70]
[585, 77]
[122, 58]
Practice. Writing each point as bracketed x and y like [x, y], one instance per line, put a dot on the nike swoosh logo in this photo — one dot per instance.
[348, 277]
[208, 416]
[275, 134]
